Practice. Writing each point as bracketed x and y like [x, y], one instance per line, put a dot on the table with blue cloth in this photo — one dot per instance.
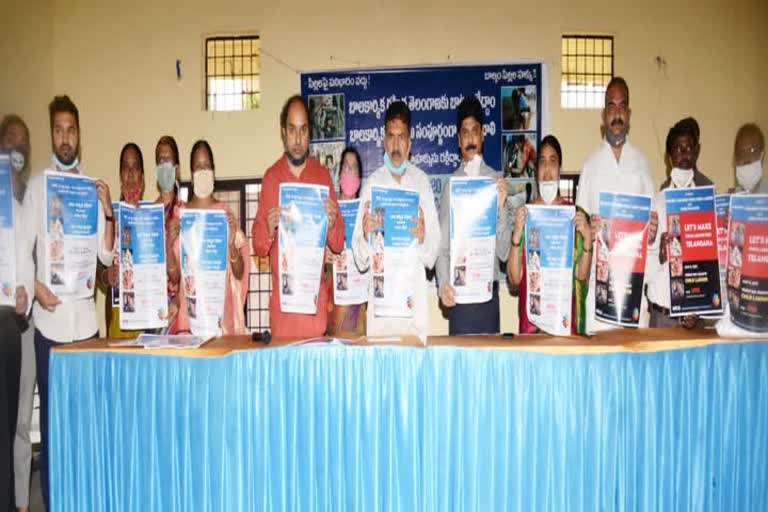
[663, 419]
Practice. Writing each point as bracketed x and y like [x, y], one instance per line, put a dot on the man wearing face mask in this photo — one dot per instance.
[471, 318]
[749, 158]
[59, 322]
[294, 166]
[616, 166]
[683, 151]
[17, 357]
[398, 172]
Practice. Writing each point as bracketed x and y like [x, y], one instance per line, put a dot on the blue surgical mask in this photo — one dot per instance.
[59, 165]
[397, 171]
[166, 176]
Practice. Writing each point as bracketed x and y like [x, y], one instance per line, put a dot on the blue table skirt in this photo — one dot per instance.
[411, 429]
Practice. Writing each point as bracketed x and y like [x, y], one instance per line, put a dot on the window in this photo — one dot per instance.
[232, 80]
[242, 197]
[587, 67]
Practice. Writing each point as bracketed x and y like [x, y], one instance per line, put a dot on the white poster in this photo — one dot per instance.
[395, 250]
[204, 235]
[474, 204]
[349, 285]
[7, 236]
[71, 241]
[143, 280]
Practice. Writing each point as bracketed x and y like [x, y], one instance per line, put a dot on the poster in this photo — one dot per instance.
[204, 235]
[71, 236]
[722, 203]
[395, 250]
[7, 236]
[143, 279]
[620, 251]
[694, 268]
[748, 262]
[549, 236]
[302, 233]
[349, 285]
[474, 205]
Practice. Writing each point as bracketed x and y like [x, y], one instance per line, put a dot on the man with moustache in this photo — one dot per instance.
[471, 318]
[616, 166]
[294, 166]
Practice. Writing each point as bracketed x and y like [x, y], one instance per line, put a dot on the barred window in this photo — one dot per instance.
[232, 73]
[587, 68]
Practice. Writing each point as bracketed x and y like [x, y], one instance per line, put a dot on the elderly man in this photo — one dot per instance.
[749, 157]
[398, 172]
[471, 318]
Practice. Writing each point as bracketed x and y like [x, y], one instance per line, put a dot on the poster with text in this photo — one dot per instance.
[620, 252]
[694, 267]
[349, 285]
[7, 236]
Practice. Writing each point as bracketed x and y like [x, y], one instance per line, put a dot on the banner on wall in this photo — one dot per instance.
[748, 262]
[71, 235]
[473, 208]
[620, 251]
[142, 284]
[694, 268]
[302, 232]
[7, 236]
[349, 285]
[549, 239]
[394, 250]
[204, 235]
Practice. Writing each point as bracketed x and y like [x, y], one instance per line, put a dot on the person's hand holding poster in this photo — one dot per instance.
[7, 236]
[474, 203]
[549, 261]
[142, 282]
[71, 241]
[349, 285]
[620, 251]
[694, 270]
[302, 233]
[204, 235]
[395, 250]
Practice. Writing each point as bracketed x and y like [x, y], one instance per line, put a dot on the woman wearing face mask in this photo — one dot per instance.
[345, 321]
[168, 176]
[548, 178]
[238, 249]
[131, 192]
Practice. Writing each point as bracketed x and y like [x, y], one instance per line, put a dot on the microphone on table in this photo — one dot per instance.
[264, 336]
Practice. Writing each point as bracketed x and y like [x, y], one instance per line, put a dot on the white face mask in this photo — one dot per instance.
[472, 167]
[682, 178]
[17, 160]
[548, 190]
[202, 182]
[750, 175]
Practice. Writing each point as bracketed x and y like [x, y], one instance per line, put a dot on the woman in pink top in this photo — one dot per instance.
[238, 250]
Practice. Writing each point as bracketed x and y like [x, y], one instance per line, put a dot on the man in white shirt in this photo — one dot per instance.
[398, 172]
[471, 318]
[59, 322]
[682, 150]
[749, 157]
[616, 166]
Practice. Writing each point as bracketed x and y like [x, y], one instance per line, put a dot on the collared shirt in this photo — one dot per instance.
[70, 321]
[602, 173]
[412, 179]
[293, 325]
[503, 231]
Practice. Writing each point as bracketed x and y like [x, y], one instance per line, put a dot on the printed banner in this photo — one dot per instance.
[143, 281]
[474, 206]
[349, 285]
[395, 250]
[722, 203]
[694, 269]
[204, 235]
[71, 241]
[620, 250]
[549, 239]
[7, 236]
[748, 262]
[302, 233]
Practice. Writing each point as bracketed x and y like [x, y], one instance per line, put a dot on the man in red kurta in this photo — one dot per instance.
[295, 166]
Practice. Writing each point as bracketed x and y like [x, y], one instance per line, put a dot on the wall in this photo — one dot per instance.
[118, 63]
